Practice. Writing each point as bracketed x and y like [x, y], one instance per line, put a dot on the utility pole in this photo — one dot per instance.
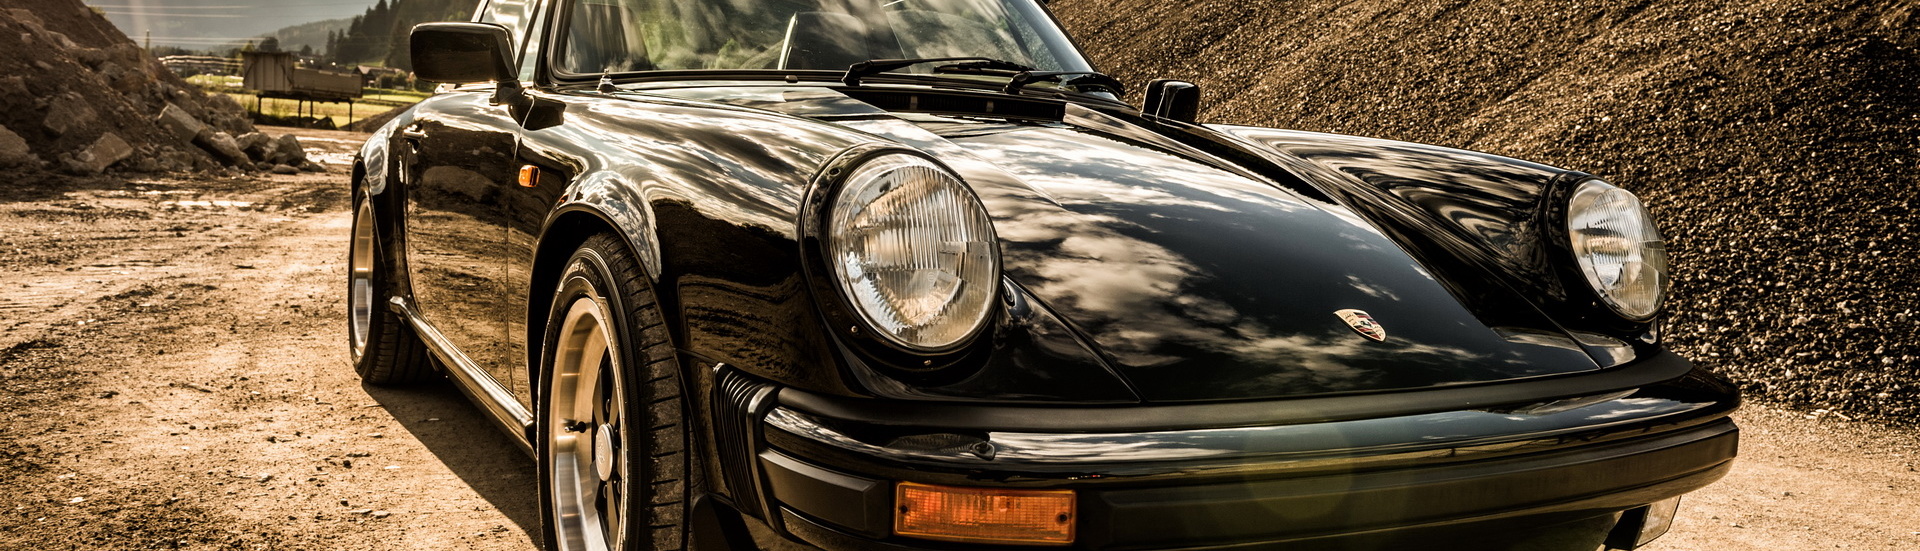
[149, 40]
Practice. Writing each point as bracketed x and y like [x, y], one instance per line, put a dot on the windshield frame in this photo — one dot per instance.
[561, 18]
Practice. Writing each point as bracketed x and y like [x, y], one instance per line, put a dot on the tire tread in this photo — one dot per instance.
[395, 356]
[664, 407]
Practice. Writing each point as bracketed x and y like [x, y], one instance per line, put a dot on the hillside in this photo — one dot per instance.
[312, 34]
[1775, 140]
[379, 36]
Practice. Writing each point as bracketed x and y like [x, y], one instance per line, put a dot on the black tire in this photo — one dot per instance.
[604, 280]
[382, 346]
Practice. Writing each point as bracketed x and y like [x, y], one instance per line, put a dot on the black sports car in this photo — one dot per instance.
[907, 274]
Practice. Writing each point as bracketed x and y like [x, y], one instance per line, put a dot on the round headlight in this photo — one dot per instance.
[914, 252]
[1618, 248]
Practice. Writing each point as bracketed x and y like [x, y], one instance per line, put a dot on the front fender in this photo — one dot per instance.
[1497, 218]
[708, 198]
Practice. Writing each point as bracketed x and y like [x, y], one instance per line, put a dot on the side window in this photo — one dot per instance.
[531, 45]
[523, 19]
[511, 14]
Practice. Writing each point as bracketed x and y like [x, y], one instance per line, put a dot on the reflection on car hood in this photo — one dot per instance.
[1199, 281]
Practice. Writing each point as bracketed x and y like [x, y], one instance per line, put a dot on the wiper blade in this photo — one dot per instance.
[1086, 78]
[876, 66]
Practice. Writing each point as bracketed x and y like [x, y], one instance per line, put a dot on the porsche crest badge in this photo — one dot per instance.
[1363, 324]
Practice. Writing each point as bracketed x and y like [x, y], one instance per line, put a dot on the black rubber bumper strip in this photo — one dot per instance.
[1661, 367]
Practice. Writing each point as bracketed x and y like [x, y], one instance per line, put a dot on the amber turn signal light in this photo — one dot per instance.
[529, 176]
[984, 515]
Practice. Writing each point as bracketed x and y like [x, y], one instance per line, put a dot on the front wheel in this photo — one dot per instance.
[383, 348]
[611, 434]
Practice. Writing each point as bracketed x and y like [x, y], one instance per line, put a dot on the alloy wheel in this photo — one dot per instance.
[360, 301]
[586, 424]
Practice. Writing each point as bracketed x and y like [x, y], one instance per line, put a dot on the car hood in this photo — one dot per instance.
[1196, 279]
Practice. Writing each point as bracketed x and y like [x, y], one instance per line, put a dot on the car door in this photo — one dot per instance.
[525, 206]
[462, 145]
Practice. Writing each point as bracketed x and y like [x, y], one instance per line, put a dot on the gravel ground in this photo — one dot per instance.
[1774, 140]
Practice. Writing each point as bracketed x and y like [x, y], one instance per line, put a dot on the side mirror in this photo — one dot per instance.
[1173, 99]
[462, 53]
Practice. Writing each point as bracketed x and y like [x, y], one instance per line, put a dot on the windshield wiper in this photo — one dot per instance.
[1086, 78]
[876, 66]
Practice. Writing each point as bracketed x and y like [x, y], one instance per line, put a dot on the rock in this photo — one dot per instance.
[69, 113]
[182, 124]
[60, 39]
[14, 87]
[109, 149]
[27, 18]
[287, 151]
[172, 160]
[122, 79]
[284, 169]
[380, 514]
[256, 145]
[92, 57]
[144, 162]
[311, 166]
[13, 149]
[223, 146]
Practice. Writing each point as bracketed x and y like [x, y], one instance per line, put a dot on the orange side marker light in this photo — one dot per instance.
[529, 176]
[984, 515]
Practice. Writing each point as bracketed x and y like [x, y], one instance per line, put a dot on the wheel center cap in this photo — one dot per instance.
[603, 451]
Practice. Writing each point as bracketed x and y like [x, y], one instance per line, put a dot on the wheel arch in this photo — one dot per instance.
[567, 228]
[388, 219]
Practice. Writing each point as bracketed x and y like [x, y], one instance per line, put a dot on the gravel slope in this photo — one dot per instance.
[1775, 140]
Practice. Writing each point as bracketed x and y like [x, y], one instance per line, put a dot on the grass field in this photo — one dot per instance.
[375, 100]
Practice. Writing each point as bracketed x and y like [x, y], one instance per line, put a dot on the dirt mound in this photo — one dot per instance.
[78, 96]
[1776, 141]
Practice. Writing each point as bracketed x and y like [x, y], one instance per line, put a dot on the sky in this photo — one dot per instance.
[208, 23]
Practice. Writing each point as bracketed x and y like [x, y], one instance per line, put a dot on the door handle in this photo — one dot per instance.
[413, 134]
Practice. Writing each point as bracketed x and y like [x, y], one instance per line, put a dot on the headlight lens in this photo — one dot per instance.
[914, 252]
[1618, 248]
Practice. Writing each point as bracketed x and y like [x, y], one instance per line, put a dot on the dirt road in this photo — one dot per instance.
[173, 375]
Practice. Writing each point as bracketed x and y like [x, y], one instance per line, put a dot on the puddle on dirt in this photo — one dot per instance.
[307, 139]
[343, 158]
[214, 204]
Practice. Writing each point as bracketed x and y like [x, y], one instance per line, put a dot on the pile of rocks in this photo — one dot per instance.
[79, 97]
[281, 154]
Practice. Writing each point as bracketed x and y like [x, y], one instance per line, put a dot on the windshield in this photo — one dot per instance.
[618, 36]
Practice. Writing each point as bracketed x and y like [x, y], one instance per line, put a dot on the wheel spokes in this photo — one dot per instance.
[586, 415]
[360, 268]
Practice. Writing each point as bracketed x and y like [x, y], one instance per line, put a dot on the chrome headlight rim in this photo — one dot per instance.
[1640, 244]
[843, 311]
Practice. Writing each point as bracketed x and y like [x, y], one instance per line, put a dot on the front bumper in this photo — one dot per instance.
[1369, 482]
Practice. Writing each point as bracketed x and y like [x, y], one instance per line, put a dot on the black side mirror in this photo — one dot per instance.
[1173, 99]
[462, 53]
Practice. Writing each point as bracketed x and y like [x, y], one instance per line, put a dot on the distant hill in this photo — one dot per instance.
[310, 34]
[1775, 140]
[379, 36]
